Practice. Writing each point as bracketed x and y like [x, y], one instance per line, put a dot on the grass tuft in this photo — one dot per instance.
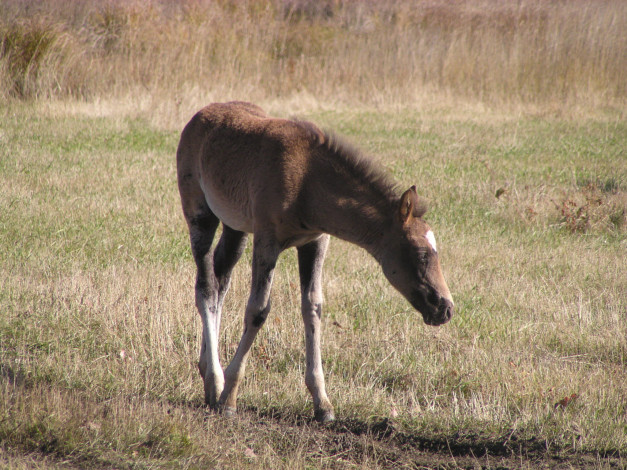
[24, 47]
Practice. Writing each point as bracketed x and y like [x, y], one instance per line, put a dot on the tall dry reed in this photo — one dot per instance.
[343, 51]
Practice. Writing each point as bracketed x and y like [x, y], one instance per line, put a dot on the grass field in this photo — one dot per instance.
[99, 333]
[527, 183]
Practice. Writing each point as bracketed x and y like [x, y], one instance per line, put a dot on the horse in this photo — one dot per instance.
[291, 184]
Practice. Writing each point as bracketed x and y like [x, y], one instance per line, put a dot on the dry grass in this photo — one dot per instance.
[377, 53]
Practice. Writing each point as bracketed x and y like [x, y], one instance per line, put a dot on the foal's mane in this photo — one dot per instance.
[352, 161]
[359, 166]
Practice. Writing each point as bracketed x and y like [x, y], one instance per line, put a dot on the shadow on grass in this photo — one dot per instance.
[398, 438]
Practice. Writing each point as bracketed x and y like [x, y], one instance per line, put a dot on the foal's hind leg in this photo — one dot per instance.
[226, 255]
[310, 259]
[202, 229]
[214, 276]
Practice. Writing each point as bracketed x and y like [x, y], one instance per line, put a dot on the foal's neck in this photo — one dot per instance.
[360, 224]
[358, 210]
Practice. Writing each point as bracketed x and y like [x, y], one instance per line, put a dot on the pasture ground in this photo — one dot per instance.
[99, 333]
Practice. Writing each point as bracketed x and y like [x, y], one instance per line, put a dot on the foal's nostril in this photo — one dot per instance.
[445, 309]
[448, 309]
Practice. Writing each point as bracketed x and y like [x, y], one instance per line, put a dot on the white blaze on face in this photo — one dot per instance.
[431, 239]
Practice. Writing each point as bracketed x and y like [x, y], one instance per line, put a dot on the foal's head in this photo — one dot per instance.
[411, 264]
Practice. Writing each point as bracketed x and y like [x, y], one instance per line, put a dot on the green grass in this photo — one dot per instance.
[99, 333]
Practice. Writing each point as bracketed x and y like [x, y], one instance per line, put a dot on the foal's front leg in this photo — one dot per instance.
[265, 253]
[310, 259]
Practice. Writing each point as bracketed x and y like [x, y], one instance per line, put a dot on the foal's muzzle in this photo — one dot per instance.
[442, 315]
[435, 310]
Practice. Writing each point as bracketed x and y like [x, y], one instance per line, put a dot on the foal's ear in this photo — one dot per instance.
[411, 205]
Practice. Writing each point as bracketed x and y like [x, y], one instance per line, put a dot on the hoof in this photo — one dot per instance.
[324, 416]
[228, 411]
[211, 403]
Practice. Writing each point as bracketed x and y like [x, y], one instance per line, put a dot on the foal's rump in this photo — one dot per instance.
[212, 159]
[246, 167]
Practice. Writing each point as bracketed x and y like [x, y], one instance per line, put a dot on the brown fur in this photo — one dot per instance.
[291, 185]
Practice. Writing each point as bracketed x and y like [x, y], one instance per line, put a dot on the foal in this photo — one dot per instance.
[291, 185]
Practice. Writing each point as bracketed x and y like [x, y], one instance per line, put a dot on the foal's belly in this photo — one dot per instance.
[228, 210]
